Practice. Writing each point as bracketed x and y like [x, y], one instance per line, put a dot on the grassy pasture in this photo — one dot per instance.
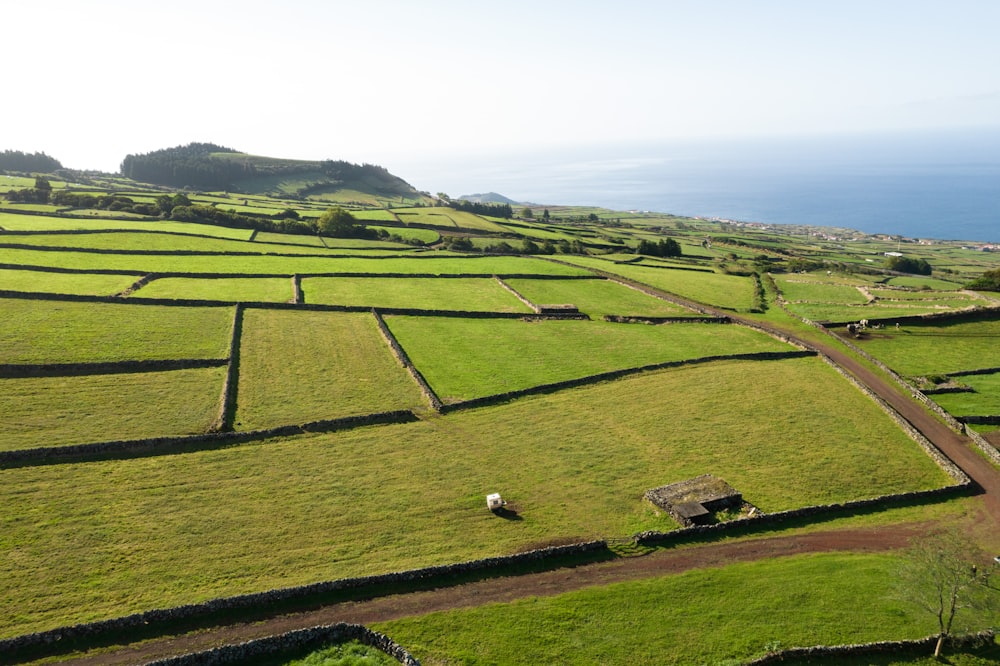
[434, 217]
[63, 283]
[99, 539]
[470, 358]
[438, 263]
[936, 348]
[916, 282]
[597, 297]
[297, 367]
[427, 236]
[66, 332]
[805, 289]
[469, 294]
[124, 240]
[724, 291]
[274, 242]
[984, 402]
[242, 290]
[57, 411]
[15, 222]
[718, 616]
[373, 215]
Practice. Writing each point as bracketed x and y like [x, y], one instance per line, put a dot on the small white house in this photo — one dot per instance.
[494, 502]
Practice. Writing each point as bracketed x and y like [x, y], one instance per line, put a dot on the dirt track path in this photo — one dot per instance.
[957, 447]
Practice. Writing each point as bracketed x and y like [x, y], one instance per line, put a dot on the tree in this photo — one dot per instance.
[339, 223]
[527, 213]
[946, 576]
[988, 281]
[545, 215]
[908, 265]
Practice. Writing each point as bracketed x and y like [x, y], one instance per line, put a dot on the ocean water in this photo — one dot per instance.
[942, 184]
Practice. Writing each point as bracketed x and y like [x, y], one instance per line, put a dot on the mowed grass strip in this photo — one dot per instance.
[712, 616]
[100, 539]
[598, 298]
[58, 411]
[936, 348]
[472, 358]
[297, 367]
[362, 263]
[64, 283]
[465, 294]
[67, 332]
[254, 290]
[15, 222]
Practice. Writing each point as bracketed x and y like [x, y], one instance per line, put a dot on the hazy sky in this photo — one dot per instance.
[384, 81]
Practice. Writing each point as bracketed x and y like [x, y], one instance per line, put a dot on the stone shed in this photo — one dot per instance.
[693, 502]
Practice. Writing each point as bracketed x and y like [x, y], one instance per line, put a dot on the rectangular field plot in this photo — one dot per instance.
[135, 240]
[803, 288]
[58, 411]
[984, 401]
[466, 294]
[14, 222]
[936, 348]
[64, 283]
[471, 358]
[297, 367]
[78, 537]
[244, 290]
[725, 291]
[597, 298]
[436, 264]
[65, 332]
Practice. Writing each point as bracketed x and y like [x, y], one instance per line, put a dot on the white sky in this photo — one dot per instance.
[384, 81]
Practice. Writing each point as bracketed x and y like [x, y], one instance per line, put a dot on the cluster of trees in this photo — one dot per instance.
[338, 222]
[988, 281]
[667, 247]
[527, 246]
[911, 265]
[40, 193]
[502, 210]
[15, 160]
[195, 166]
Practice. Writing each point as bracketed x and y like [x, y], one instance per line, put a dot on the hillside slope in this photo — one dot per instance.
[206, 166]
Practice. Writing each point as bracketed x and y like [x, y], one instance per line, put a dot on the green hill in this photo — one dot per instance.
[206, 166]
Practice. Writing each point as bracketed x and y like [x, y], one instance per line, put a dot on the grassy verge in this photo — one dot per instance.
[267, 290]
[468, 294]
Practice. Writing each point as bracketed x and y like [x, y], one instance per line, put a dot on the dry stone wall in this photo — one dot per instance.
[921, 646]
[292, 642]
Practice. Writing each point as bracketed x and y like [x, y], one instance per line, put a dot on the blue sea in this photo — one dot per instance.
[940, 184]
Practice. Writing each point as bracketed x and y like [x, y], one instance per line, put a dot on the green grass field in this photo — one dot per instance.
[64, 283]
[930, 348]
[466, 294]
[472, 358]
[984, 402]
[434, 264]
[65, 332]
[57, 411]
[597, 298]
[718, 616]
[14, 222]
[101, 539]
[255, 290]
[297, 367]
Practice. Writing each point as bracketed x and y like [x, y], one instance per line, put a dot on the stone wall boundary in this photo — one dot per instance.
[404, 360]
[137, 285]
[517, 294]
[230, 386]
[160, 445]
[612, 375]
[21, 371]
[984, 445]
[634, 319]
[297, 290]
[978, 371]
[919, 645]
[61, 639]
[313, 638]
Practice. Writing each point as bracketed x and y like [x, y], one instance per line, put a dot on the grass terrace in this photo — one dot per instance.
[102, 539]
[59, 411]
[14, 222]
[68, 332]
[434, 264]
[597, 297]
[472, 358]
[468, 294]
[64, 283]
[237, 290]
[297, 367]
[984, 401]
